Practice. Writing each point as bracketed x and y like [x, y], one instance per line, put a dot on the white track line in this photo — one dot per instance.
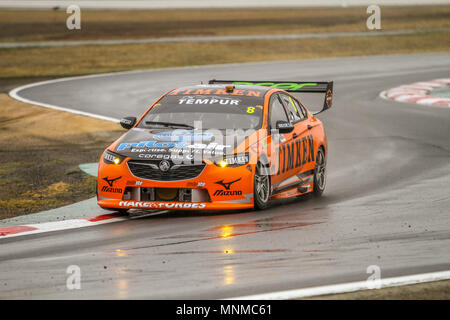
[348, 287]
[14, 94]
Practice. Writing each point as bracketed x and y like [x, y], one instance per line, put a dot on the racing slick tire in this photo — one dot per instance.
[261, 188]
[319, 173]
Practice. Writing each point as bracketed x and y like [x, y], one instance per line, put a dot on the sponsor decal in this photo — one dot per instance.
[162, 205]
[196, 184]
[182, 135]
[109, 157]
[111, 190]
[134, 183]
[150, 144]
[110, 182]
[295, 154]
[178, 157]
[226, 185]
[209, 100]
[214, 91]
[284, 125]
[237, 159]
[155, 146]
[289, 86]
[329, 98]
[162, 156]
[228, 193]
[126, 121]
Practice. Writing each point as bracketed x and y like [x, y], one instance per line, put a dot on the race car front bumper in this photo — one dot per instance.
[171, 205]
[215, 188]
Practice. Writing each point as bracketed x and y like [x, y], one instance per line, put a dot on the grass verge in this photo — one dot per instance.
[65, 61]
[41, 150]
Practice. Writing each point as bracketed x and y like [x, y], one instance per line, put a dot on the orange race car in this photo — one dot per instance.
[224, 145]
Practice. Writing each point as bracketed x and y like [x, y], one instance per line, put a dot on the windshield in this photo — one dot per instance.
[214, 112]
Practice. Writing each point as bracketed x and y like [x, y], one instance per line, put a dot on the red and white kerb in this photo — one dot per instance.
[419, 93]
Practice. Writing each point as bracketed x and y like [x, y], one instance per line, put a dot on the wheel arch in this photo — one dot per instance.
[263, 159]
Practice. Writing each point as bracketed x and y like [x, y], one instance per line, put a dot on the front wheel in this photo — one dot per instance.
[319, 173]
[261, 189]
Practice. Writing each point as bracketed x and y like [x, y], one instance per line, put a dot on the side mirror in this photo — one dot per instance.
[128, 122]
[284, 126]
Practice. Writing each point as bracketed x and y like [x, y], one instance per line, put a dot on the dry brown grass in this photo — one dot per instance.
[64, 61]
[41, 150]
[134, 24]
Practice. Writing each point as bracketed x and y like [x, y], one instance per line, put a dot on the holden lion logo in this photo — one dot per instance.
[164, 165]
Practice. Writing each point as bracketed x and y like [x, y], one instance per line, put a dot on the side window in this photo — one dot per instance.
[277, 112]
[296, 112]
[301, 110]
[291, 107]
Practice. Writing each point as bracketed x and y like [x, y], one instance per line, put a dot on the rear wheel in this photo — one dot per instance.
[319, 173]
[261, 192]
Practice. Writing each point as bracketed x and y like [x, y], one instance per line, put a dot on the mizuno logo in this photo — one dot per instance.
[228, 193]
[112, 190]
[226, 185]
[110, 182]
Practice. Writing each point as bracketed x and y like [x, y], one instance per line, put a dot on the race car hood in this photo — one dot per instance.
[143, 143]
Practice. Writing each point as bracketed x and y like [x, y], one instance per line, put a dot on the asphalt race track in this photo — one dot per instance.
[387, 199]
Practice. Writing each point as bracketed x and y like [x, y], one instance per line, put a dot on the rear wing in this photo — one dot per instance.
[291, 86]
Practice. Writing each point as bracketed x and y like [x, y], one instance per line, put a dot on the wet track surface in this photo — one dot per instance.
[387, 199]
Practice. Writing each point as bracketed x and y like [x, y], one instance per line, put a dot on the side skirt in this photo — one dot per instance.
[294, 186]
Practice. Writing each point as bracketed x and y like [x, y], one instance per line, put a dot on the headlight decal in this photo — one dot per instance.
[234, 160]
[112, 158]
